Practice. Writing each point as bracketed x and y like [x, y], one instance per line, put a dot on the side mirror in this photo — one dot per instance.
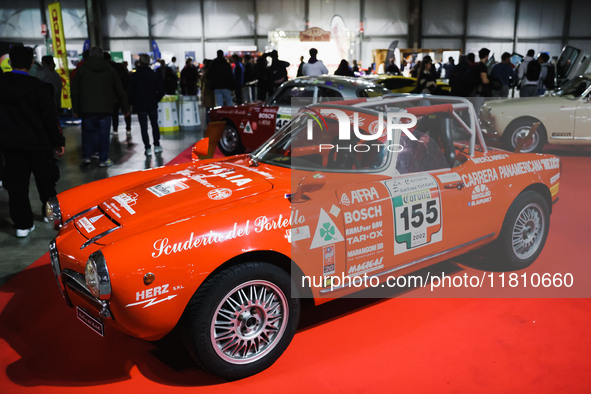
[308, 184]
[200, 149]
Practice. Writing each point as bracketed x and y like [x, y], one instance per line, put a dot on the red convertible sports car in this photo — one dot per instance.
[248, 126]
[225, 249]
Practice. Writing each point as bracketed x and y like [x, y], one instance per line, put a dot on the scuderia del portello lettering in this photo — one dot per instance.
[261, 224]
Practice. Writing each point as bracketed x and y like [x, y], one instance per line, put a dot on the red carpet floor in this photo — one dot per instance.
[406, 344]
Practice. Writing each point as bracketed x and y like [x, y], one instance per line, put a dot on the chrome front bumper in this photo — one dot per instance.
[68, 280]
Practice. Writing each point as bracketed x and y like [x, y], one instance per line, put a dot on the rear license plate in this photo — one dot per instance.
[90, 321]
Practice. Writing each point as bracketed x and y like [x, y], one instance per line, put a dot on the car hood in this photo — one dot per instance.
[238, 108]
[169, 198]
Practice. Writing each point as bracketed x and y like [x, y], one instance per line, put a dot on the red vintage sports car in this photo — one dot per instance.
[225, 249]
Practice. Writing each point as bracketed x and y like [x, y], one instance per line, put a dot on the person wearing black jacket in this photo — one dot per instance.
[221, 79]
[344, 69]
[146, 89]
[30, 138]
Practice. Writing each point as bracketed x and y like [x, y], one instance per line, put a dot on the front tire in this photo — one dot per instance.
[241, 320]
[230, 143]
[524, 232]
[518, 130]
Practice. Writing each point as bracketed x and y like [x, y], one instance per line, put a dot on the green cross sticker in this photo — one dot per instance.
[327, 231]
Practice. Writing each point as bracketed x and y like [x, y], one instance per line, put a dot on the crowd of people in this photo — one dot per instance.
[472, 78]
[101, 89]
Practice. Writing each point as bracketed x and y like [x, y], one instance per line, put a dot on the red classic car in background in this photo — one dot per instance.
[248, 126]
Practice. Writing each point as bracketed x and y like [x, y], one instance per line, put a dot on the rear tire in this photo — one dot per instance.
[524, 232]
[519, 129]
[241, 320]
[230, 143]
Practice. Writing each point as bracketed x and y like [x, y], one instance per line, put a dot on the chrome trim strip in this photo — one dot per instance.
[415, 262]
[96, 238]
[561, 137]
[78, 215]
[583, 138]
[75, 281]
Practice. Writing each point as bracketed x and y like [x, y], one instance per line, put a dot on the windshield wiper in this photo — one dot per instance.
[254, 161]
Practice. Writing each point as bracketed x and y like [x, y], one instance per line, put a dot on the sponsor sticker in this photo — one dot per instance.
[448, 178]
[364, 195]
[85, 223]
[486, 159]
[326, 232]
[95, 218]
[248, 128]
[149, 297]
[126, 201]
[555, 179]
[219, 194]
[328, 259]
[345, 200]
[300, 233]
[417, 212]
[167, 188]
[480, 195]
[366, 267]
[334, 211]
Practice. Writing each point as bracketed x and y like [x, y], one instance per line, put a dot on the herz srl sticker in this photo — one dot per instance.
[167, 188]
[149, 297]
[417, 212]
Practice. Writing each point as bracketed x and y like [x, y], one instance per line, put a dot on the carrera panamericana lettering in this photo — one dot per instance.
[480, 177]
[520, 168]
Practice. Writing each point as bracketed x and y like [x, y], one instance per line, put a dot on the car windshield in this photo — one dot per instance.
[575, 87]
[374, 91]
[318, 139]
[312, 142]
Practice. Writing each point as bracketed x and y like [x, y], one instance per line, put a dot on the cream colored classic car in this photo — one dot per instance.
[564, 116]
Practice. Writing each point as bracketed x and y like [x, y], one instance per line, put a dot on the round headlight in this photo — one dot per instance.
[92, 278]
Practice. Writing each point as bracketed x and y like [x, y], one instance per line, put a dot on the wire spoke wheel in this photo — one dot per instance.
[230, 140]
[249, 322]
[521, 133]
[528, 230]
